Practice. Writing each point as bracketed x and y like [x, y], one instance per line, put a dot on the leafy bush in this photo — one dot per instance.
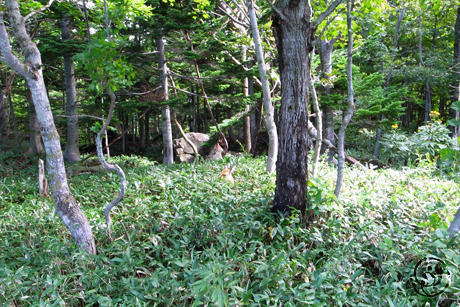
[428, 140]
[184, 238]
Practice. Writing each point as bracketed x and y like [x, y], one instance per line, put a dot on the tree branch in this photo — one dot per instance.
[326, 13]
[278, 11]
[38, 11]
[5, 49]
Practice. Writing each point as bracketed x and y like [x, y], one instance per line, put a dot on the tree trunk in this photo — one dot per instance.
[15, 123]
[326, 48]
[4, 118]
[35, 141]
[293, 34]
[269, 110]
[247, 119]
[142, 133]
[4, 114]
[351, 104]
[165, 113]
[147, 128]
[67, 208]
[71, 152]
[455, 85]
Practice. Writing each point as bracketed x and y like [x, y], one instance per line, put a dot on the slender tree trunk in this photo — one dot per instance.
[15, 123]
[165, 112]
[269, 110]
[67, 208]
[35, 141]
[387, 82]
[142, 134]
[455, 85]
[319, 126]
[147, 128]
[351, 104]
[326, 48]
[72, 151]
[4, 111]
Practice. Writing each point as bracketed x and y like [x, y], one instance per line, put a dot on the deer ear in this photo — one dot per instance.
[233, 169]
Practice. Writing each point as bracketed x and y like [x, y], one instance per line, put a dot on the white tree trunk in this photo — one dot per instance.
[66, 206]
[268, 106]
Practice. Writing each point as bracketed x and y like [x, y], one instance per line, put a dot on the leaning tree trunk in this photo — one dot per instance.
[268, 106]
[165, 111]
[71, 152]
[293, 41]
[31, 69]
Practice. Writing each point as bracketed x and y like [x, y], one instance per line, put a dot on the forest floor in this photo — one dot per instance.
[183, 237]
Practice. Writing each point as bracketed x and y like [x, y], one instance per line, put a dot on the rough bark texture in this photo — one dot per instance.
[66, 206]
[165, 112]
[293, 33]
[351, 104]
[268, 106]
[455, 225]
[71, 152]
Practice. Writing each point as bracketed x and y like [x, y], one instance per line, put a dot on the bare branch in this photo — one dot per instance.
[5, 49]
[38, 11]
[241, 10]
[278, 11]
[233, 19]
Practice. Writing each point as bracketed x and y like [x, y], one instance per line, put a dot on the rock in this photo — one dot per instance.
[183, 152]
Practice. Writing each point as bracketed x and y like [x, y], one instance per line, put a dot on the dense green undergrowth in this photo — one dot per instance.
[184, 238]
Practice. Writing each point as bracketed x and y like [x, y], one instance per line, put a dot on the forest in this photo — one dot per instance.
[229, 153]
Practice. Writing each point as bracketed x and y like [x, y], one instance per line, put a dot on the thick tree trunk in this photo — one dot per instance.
[165, 112]
[268, 106]
[71, 152]
[67, 208]
[293, 34]
[455, 85]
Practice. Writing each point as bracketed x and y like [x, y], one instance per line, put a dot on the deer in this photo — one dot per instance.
[227, 173]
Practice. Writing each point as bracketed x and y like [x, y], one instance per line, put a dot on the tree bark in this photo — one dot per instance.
[293, 34]
[351, 104]
[165, 112]
[268, 106]
[67, 208]
[72, 151]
